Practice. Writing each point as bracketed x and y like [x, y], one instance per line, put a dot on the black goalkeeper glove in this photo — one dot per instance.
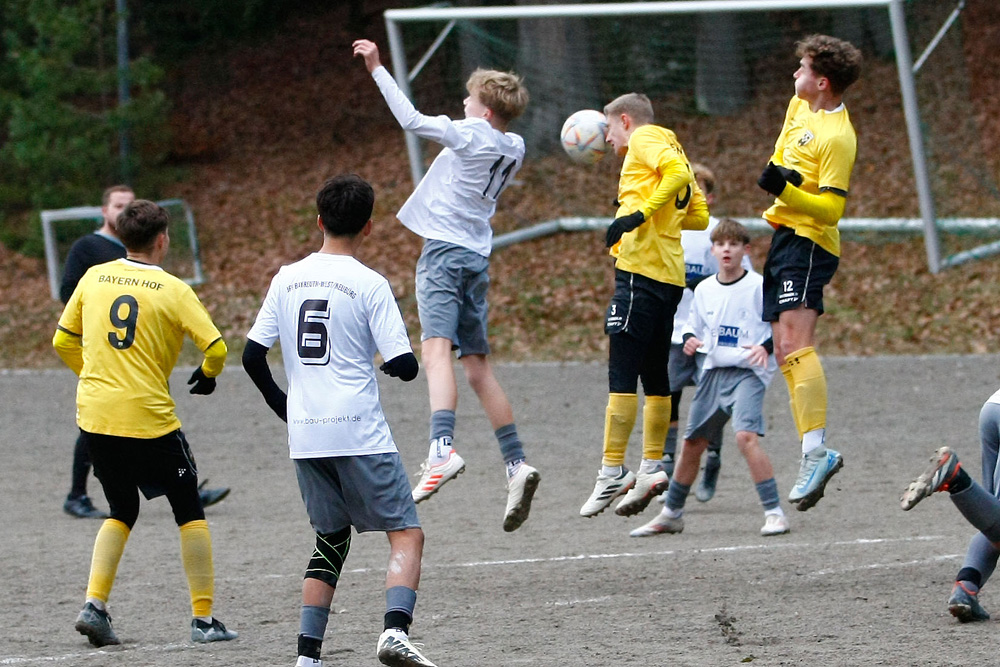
[622, 225]
[791, 176]
[772, 179]
[203, 384]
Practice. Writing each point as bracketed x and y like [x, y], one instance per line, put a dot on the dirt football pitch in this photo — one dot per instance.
[856, 582]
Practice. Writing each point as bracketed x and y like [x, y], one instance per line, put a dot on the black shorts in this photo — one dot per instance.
[643, 308]
[795, 273]
[156, 466]
[639, 322]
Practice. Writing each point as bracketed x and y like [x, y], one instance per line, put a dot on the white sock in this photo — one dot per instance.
[439, 450]
[813, 440]
[204, 619]
[513, 467]
[612, 471]
[777, 511]
[97, 603]
[648, 466]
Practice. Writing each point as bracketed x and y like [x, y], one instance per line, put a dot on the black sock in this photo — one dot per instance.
[398, 619]
[961, 482]
[971, 575]
[310, 647]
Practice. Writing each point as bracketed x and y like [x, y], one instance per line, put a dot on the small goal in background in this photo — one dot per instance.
[61, 227]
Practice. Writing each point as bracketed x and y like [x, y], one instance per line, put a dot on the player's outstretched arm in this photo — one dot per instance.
[435, 128]
[368, 50]
[255, 364]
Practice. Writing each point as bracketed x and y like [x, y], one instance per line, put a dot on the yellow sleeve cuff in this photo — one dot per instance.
[69, 347]
[215, 358]
[826, 207]
[696, 217]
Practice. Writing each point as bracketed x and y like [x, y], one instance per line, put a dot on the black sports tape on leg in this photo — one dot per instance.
[329, 556]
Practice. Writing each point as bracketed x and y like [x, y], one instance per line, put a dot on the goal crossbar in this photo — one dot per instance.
[897, 19]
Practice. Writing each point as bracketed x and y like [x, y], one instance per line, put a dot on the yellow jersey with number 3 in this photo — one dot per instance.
[822, 146]
[656, 179]
[131, 319]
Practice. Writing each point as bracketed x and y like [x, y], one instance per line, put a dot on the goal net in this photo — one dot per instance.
[719, 73]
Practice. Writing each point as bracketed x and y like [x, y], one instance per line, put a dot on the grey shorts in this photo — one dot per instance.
[683, 369]
[369, 492]
[723, 393]
[452, 282]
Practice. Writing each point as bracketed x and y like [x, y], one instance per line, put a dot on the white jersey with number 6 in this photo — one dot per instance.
[331, 314]
[458, 195]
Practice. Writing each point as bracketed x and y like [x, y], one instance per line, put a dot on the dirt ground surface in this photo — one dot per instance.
[857, 581]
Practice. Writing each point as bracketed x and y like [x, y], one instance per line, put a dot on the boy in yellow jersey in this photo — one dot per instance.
[658, 197]
[809, 174]
[99, 247]
[121, 333]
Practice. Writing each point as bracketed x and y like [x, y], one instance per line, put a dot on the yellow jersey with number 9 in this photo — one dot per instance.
[132, 318]
[821, 146]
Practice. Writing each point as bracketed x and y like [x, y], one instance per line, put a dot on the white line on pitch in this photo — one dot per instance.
[644, 554]
[884, 566]
[91, 654]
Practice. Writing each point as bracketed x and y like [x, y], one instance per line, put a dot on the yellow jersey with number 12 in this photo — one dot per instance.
[821, 146]
[131, 319]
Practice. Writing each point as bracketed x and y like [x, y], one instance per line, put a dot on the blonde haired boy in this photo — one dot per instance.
[451, 209]
[658, 198]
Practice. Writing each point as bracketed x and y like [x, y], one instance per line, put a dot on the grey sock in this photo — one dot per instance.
[442, 424]
[981, 556]
[677, 494]
[767, 491]
[510, 445]
[313, 620]
[670, 444]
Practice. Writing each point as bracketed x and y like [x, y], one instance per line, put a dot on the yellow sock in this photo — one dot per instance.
[810, 389]
[196, 554]
[618, 422]
[108, 549]
[786, 371]
[655, 424]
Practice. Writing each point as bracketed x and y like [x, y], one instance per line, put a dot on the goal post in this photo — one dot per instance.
[452, 17]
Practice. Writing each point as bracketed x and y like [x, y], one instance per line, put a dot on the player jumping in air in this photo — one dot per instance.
[658, 197]
[809, 174]
[451, 209]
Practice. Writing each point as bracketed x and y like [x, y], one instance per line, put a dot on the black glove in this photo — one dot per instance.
[203, 384]
[622, 225]
[772, 179]
[791, 176]
[404, 367]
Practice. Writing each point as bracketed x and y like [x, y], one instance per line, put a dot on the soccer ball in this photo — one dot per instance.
[582, 136]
